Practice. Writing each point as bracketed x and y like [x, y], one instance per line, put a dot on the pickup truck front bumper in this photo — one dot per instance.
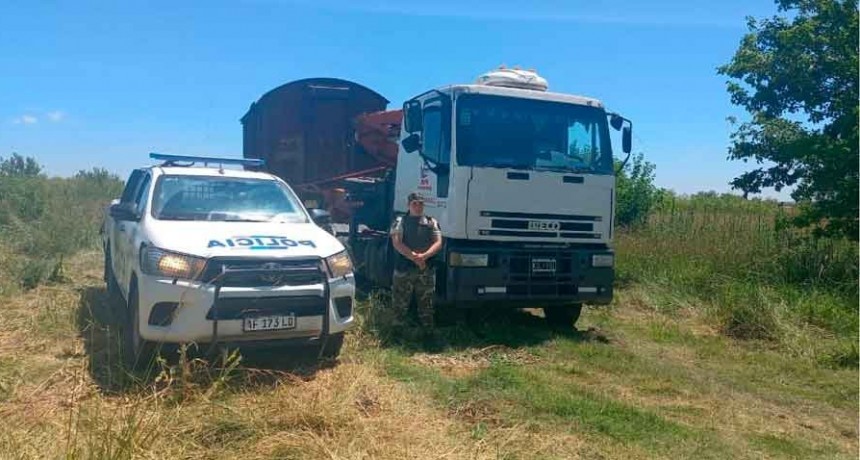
[175, 311]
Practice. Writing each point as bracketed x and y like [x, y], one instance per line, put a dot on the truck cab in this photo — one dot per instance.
[522, 183]
[199, 253]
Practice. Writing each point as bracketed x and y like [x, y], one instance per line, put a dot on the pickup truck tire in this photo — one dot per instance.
[332, 347]
[110, 279]
[563, 317]
[137, 353]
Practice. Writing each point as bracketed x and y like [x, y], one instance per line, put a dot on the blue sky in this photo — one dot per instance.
[87, 84]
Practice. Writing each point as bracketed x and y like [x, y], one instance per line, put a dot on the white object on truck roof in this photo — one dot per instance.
[514, 78]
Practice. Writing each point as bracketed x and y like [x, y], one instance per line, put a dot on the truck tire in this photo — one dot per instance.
[563, 317]
[137, 354]
[332, 347]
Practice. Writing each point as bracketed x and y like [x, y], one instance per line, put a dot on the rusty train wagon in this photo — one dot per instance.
[305, 129]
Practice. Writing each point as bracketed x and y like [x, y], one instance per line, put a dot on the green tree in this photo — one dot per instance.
[797, 77]
[636, 193]
[18, 166]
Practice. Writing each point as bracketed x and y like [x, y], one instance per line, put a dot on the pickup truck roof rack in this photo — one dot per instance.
[190, 160]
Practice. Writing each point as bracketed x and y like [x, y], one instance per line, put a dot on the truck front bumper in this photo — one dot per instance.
[173, 311]
[528, 277]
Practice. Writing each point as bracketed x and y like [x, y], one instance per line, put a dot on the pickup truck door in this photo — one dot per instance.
[119, 232]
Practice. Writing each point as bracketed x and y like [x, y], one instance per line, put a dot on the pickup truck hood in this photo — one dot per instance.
[243, 239]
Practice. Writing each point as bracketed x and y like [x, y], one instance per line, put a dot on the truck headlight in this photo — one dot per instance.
[339, 265]
[602, 260]
[159, 262]
[456, 259]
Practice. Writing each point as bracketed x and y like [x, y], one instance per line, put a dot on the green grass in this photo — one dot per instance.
[787, 448]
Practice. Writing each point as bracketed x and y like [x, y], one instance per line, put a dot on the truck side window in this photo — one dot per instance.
[436, 141]
[432, 135]
[128, 193]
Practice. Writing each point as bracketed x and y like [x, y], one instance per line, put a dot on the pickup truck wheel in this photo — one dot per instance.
[136, 353]
[110, 279]
[563, 317]
[332, 348]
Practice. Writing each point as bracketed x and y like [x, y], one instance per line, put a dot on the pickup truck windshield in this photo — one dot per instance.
[227, 199]
[506, 132]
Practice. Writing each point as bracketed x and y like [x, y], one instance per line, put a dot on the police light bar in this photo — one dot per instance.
[172, 159]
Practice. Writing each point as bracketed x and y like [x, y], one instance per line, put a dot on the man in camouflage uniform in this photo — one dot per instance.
[417, 238]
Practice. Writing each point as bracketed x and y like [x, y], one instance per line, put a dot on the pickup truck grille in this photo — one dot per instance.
[267, 272]
[239, 307]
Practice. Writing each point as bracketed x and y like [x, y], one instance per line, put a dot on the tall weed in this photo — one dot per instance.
[43, 219]
[755, 276]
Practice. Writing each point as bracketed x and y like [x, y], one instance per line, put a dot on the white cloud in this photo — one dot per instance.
[56, 115]
[26, 120]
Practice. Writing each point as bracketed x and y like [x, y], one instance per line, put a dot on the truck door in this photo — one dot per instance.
[436, 147]
[119, 232]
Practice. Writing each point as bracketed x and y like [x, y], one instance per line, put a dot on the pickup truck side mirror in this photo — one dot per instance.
[320, 216]
[124, 212]
[412, 143]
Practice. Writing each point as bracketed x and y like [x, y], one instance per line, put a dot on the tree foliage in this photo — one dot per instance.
[18, 166]
[636, 193]
[797, 77]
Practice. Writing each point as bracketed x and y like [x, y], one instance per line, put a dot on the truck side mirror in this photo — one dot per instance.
[412, 116]
[124, 212]
[627, 139]
[616, 121]
[412, 143]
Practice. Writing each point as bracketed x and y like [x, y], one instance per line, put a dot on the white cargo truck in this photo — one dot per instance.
[201, 253]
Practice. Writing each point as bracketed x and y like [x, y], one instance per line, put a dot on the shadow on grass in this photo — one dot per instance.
[100, 318]
[462, 329]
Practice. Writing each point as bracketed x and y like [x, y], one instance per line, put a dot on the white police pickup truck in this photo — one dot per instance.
[217, 256]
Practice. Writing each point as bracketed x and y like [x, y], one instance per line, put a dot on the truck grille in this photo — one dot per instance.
[542, 275]
[541, 225]
[270, 272]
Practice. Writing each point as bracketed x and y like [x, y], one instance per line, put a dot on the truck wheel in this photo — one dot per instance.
[563, 317]
[136, 353]
[332, 348]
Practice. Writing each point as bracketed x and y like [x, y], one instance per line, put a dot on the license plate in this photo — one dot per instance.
[543, 265]
[268, 323]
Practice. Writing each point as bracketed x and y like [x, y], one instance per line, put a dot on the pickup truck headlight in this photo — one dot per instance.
[456, 259]
[339, 265]
[169, 264]
[602, 260]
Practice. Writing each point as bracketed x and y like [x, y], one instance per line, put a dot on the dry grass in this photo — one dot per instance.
[640, 383]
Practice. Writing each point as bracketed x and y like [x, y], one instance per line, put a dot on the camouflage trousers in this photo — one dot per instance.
[420, 283]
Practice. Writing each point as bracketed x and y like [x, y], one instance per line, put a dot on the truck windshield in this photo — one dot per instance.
[506, 132]
[224, 199]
